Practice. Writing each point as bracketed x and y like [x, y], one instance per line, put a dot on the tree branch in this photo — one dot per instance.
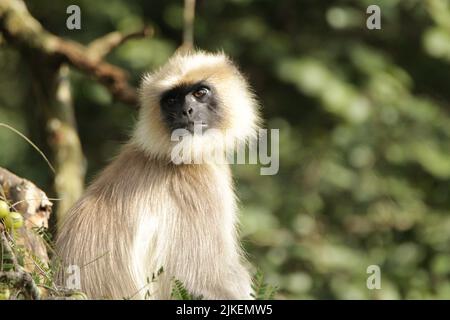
[188, 29]
[18, 278]
[22, 29]
[35, 207]
[25, 197]
[101, 47]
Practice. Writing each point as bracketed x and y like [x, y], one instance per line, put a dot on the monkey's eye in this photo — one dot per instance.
[201, 92]
[171, 101]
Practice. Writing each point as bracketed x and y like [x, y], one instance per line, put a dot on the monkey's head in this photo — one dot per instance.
[200, 93]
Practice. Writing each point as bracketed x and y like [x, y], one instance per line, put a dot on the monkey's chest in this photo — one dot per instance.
[188, 230]
[195, 215]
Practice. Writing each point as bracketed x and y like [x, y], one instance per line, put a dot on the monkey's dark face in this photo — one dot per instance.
[196, 104]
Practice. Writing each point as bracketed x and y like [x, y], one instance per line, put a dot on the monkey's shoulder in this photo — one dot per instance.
[133, 174]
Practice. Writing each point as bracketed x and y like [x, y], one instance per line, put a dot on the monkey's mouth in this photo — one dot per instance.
[194, 127]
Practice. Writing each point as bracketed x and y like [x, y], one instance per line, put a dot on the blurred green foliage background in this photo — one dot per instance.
[364, 130]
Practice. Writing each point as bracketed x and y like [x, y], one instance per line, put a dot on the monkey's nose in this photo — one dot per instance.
[188, 111]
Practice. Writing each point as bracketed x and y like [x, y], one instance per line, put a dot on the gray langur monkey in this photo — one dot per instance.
[144, 212]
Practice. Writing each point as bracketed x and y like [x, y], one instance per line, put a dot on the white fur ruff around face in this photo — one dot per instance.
[235, 95]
